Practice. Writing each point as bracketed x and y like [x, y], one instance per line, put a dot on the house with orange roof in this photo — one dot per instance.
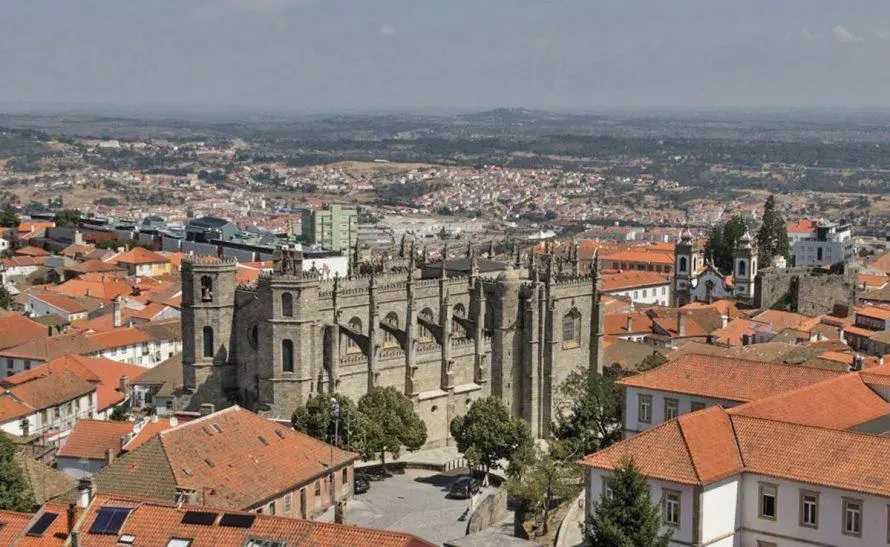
[46, 404]
[650, 258]
[30, 250]
[691, 382]
[16, 268]
[724, 477]
[17, 329]
[103, 286]
[870, 329]
[235, 460]
[98, 520]
[28, 229]
[67, 308]
[641, 287]
[144, 263]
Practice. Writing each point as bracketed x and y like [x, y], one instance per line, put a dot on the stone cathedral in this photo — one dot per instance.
[444, 341]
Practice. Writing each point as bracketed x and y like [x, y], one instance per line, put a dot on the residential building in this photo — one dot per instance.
[46, 404]
[641, 287]
[691, 382]
[235, 460]
[143, 263]
[820, 244]
[159, 387]
[333, 227]
[100, 520]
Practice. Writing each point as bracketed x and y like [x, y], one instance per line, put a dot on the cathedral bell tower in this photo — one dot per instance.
[744, 268]
[684, 267]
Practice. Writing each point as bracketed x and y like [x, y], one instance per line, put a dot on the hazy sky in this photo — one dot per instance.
[309, 55]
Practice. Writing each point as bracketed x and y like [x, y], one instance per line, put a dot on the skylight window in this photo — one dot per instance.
[179, 542]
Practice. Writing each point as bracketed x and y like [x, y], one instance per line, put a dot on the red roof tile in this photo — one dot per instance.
[91, 439]
[16, 329]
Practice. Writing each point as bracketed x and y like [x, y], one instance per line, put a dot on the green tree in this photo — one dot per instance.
[388, 422]
[316, 419]
[487, 434]
[626, 516]
[589, 412]
[6, 300]
[120, 413]
[67, 217]
[772, 237]
[15, 493]
[546, 480]
[722, 241]
[653, 360]
[8, 217]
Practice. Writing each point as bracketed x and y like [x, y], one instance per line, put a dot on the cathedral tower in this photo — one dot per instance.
[744, 268]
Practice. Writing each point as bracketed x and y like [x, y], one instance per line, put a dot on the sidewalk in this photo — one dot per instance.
[445, 459]
[570, 534]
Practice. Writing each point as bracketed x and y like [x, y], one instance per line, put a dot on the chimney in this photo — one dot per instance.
[109, 456]
[118, 312]
[78, 237]
[681, 323]
[71, 522]
[154, 418]
[207, 409]
[84, 493]
[630, 323]
[857, 362]
[123, 384]
[724, 320]
[174, 421]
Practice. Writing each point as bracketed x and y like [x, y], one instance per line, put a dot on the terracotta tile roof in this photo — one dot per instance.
[31, 251]
[20, 261]
[882, 263]
[803, 226]
[45, 482]
[46, 349]
[106, 287]
[875, 312]
[45, 391]
[167, 374]
[149, 430]
[90, 439]
[140, 255]
[94, 266]
[12, 525]
[17, 329]
[55, 534]
[641, 254]
[105, 374]
[873, 281]
[734, 332]
[813, 455]
[780, 320]
[153, 523]
[630, 279]
[726, 378]
[62, 302]
[837, 403]
[119, 337]
[237, 458]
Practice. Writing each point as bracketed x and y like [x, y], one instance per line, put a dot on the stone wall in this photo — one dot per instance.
[810, 292]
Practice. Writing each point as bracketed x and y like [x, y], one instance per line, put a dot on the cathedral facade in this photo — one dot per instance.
[444, 342]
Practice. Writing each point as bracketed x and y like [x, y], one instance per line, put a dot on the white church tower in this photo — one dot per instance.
[744, 268]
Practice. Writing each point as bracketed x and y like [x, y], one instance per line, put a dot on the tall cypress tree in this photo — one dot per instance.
[626, 517]
[772, 238]
[15, 493]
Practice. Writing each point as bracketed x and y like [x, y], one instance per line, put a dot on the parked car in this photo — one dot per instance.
[463, 487]
[360, 484]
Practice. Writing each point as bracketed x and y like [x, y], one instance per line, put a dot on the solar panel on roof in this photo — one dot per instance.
[237, 521]
[39, 527]
[109, 520]
[204, 518]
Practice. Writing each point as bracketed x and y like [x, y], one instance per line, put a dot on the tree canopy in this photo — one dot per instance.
[589, 417]
[546, 480]
[772, 238]
[6, 300]
[722, 241]
[487, 434]
[316, 418]
[625, 515]
[67, 217]
[389, 422]
[15, 493]
[8, 217]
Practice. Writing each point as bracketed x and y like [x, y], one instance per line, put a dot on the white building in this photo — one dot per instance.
[820, 244]
[791, 469]
[46, 405]
[641, 287]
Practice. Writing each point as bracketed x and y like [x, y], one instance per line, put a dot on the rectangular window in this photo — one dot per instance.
[607, 492]
[809, 509]
[671, 409]
[671, 508]
[288, 503]
[272, 508]
[852, 517]
[317, 488]
[345, 476]
[644, 414]
[768, 493]
[698, 405]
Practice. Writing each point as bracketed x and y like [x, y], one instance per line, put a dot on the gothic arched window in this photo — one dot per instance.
[428, 317]
[208, 341]
[287, 355]
[287, 304]
[391, 322]
[355, 324]
[742, 268]
[206, 288]
[682, 263]
[458, 327]
[571, 327]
